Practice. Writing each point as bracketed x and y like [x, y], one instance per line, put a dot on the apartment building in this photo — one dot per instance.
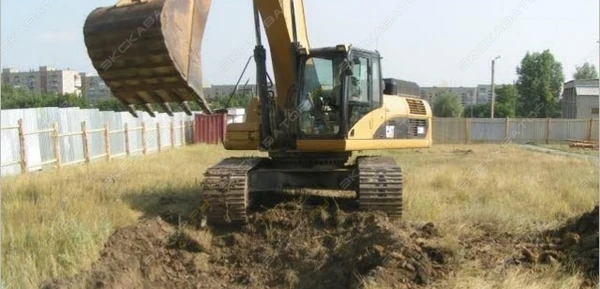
[484, 93]
[468, 95]
[45, 80]
[94, 88]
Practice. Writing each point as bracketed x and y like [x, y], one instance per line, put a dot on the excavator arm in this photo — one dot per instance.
[149, 51]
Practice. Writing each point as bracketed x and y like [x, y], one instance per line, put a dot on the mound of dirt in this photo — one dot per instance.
[574, 244]
[284, 247]
[578, 241]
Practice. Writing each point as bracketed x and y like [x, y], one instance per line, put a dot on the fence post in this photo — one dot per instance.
[107, 141]
[126, 132]
[193, 130]
[591, 126]
[182, 133]
[506, 129]
[57, 154]
[548, 131]
[144, 146]
[467, 130]
[158, 136]
[23, 147]
[172, 134]
[86, 146]
[446, 131]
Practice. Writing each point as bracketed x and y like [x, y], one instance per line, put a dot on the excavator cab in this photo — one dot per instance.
[337, 87]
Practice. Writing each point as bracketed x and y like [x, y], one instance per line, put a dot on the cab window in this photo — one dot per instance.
[364, 93]
[360, 80]
[377, 84]
[320, 99]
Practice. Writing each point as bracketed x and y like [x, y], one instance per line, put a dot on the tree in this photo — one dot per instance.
[482, 110]
[586, 71]
[506, 101]
[539, 84]
[447, 104]
[13, 97]
[66, 100]
[227, 101]
[110, 104]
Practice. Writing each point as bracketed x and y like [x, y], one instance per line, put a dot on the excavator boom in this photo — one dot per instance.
[284, 22]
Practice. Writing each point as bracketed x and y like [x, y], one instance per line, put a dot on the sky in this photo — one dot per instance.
[433, 43]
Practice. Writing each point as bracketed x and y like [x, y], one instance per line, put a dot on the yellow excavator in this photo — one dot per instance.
[323, 105]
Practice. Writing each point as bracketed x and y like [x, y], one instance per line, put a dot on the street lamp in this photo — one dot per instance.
[493, 95]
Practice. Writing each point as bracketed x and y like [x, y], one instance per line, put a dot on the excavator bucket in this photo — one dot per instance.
[148, 51]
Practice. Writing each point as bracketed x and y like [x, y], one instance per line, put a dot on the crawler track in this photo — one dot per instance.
[380, 185]
[225, 190]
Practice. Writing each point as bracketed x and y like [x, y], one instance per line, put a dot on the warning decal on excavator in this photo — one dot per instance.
[389, 131]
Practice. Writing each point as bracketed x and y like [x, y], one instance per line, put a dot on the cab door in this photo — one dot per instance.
[365, 96]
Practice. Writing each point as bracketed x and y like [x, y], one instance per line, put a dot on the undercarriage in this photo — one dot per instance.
[235, 185]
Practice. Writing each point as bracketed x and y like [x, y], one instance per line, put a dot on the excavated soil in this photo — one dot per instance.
[574, 245]
[284, 247]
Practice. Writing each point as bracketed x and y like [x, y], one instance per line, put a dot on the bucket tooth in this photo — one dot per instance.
[159, 98]
[147, 108]
[132, 110]
[130, 107]
[167, 108]
[186, 108]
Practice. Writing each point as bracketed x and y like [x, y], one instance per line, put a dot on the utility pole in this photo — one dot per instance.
[473, 101]
[493, 93]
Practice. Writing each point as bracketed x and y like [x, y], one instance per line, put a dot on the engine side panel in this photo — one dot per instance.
[401, 122]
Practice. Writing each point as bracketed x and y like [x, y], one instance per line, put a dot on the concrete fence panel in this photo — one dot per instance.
[516, 130]
[41, 138]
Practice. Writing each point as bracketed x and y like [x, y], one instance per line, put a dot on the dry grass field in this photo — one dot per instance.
[55, 224]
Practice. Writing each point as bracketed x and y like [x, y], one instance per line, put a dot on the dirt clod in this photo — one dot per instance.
[284, 247]
[573, 243]
[529, 256]
[548, 257]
